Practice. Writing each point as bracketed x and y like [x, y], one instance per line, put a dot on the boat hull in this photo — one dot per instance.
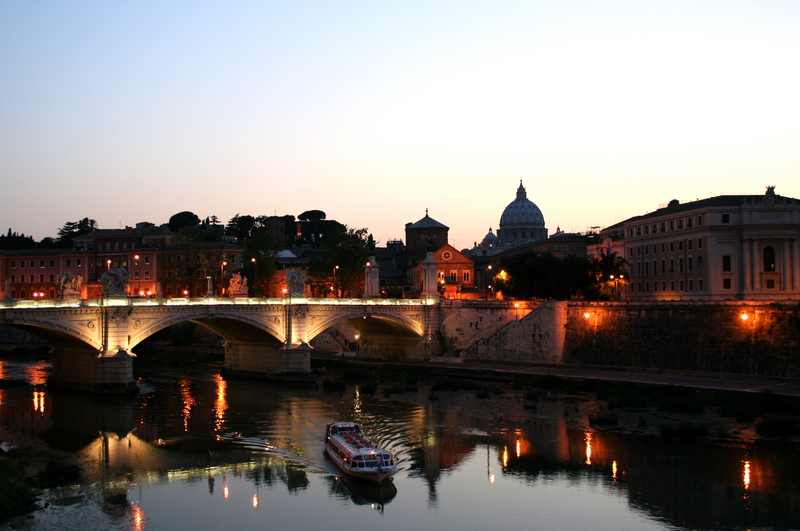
[374, 476]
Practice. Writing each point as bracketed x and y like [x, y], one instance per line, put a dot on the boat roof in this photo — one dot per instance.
[344, 424]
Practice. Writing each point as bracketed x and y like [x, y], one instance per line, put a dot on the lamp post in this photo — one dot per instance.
[335, 291]
[222, 277]
[488, 279]
[209, 291]
[108, 264]
[288, 318]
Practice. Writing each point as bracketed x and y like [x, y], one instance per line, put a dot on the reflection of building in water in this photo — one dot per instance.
[39, 401]
[36, 373]
[2, 370]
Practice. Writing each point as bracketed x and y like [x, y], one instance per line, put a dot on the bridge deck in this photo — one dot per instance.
[213, 301]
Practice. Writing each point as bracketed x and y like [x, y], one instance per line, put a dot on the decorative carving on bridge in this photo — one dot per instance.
[69, 286]
[115, 282]
[237, 285]
[89, 324]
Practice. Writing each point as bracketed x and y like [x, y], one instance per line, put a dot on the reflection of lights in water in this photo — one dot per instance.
[226, 492]
[188, 402]
[746, 475]
[38, 401]
[37, 373]
[138, 517]
[357, 403]
[491, 479]
[255, 501]
[221, 403]
[2, 397]
[588, 439]
[614, 469]
[516, 448]
[430, 440]
[505, 456]
[2, 370]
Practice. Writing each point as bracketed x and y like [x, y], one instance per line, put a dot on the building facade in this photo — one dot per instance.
[723, 247]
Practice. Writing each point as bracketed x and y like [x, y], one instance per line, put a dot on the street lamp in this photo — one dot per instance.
[333, 288]
[209, 291]
[108, 264]
[222, 276]
[516, 311]
[488, 279]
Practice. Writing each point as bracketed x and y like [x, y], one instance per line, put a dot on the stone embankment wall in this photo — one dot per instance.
[466, 322]
[735, 336]
[538, 337]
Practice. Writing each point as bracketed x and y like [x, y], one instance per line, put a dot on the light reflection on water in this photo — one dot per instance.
[155, 463]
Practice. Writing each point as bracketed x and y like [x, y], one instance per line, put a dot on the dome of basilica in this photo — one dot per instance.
[521, 212]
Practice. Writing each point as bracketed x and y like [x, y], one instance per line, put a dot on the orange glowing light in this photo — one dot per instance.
[285, 291]
[186, 293]
[588, 440]
[38, 401]
[2, 369]
[505, 456]
[614, 469]
[226, 492]
[141, 293]
[2, 397]
[746, 475]
[138, 517]
[221, 402]
[187, 402]
[136, 257]
[744, 316]
[253, 260]
[517, 448]
[224, 264]
[255, 501]
[587, 315]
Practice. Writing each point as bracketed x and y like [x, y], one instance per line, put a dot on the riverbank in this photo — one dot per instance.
[685, 380]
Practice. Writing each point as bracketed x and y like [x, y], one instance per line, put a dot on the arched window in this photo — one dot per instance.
[769, 259]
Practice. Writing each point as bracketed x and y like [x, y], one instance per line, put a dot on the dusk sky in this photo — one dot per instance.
[374, 111]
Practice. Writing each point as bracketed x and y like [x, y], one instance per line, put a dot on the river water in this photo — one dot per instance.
[200, 451]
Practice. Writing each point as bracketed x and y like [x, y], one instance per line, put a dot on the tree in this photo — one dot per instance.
[312, 215]
[182, 220]
[13, 240]
[214, 220]
[241, 227]
[72, 229]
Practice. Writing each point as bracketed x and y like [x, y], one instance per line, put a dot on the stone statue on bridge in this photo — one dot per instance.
[115, 282]
[69, 286]
[296, 280]
[237, 286]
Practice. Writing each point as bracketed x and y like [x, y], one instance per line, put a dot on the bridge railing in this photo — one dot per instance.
[210, 301]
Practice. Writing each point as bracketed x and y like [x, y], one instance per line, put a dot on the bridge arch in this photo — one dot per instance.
[230, 325]
[316, 325]
[84, 332]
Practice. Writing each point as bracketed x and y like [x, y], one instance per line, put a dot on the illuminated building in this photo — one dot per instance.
[723, 247]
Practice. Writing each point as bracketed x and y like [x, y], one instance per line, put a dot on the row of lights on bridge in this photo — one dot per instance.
[744, 316]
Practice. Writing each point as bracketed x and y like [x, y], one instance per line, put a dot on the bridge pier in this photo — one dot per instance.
[262, 359]
[82, 369]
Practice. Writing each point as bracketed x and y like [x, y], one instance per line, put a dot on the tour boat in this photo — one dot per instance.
[359, 458]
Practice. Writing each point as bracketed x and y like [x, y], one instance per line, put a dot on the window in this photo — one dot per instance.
[680, 245]
[664, 286]
[672, 285]
[700, 222]
[680, 265]
[13, 279]
[52, 263]
[136, 275]
[769, 259]
[13, 264]
[663, 227]
[726, 263]
[681, 285]
[146, 259]
[726, 283]
[672, 266]
[691, 285]
[466, 276]
[671, 246]
[700, 284]
[689, 244]
[699, 262]
[672, 224]
[663, 266]
[663, 247]
[689, 225]
[689, 264]
[726, 218]
[41, 278]
[680, 224]
[147, 275]
[52, 278]
[78, 262]
[771, 283]
[699, 243]
[41, 263]
[69, 262]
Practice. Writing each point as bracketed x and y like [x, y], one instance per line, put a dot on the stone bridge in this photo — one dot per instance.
[95, 339]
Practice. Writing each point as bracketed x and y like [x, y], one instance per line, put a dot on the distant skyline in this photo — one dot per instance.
[373, 113]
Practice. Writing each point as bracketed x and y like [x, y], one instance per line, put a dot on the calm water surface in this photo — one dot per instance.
[200, 451]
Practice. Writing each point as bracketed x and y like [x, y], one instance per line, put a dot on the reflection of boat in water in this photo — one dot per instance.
[375, 495]
[355, 455]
